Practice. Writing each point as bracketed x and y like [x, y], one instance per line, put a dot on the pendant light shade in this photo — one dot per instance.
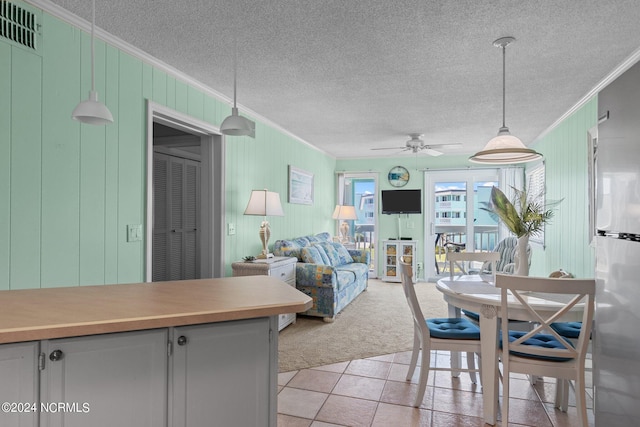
[235, 124]
[504, 148]
[92, 111]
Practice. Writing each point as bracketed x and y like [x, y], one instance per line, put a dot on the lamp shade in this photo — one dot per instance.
[264, 203]
[237, 125]
[505, 149]
[344, 212]
[92, 111]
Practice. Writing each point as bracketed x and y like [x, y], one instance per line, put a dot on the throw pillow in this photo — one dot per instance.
[332, 253]
[343, 253]
[323, 254]
[311, 255]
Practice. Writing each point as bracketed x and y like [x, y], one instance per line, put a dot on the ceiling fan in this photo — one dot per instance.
[416, 144]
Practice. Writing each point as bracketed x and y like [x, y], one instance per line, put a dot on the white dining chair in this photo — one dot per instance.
[459, 258]
[448, 334]
[542, 351]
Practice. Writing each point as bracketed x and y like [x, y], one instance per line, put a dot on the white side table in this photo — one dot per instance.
[283, 268]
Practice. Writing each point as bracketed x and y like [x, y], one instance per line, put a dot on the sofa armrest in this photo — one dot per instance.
[317, 275]
[360, 255]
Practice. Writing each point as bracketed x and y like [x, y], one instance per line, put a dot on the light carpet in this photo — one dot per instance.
[377, 322]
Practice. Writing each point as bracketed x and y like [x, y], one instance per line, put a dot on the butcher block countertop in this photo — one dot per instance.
[36, 314]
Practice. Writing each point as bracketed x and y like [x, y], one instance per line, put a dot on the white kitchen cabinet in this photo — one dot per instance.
[224, 372]
[106, 380]
[19, 385]
[112, 355]
[392, 252]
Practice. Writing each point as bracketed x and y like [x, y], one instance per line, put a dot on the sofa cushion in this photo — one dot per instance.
[349, 273]
[323, 237]
[311, 255]
[343, 253]
[345, 278]
[288, 248]
[332, 253]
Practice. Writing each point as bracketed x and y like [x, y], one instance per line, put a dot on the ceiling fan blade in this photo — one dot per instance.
[453, 144]
[388, 148]
[431, 152]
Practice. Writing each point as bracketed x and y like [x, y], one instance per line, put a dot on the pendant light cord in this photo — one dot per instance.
[235, 68]
[93, 24]
[504, 54]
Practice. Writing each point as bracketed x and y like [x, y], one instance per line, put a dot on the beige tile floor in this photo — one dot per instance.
[374, 393]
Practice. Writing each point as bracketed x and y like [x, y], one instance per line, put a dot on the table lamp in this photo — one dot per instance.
[264, 203]
[344, 212]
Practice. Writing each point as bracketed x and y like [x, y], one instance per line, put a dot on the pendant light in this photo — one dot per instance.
[235, 124]
[505, 148]
[92, 111]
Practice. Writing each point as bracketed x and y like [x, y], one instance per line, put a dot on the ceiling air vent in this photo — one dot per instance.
[18, 24]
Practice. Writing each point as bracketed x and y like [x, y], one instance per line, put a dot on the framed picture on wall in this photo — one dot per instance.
[300, 186]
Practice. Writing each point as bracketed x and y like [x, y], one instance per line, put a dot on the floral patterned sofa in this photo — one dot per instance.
[326, 271]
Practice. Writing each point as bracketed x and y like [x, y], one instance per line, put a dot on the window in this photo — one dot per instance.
[535, 185]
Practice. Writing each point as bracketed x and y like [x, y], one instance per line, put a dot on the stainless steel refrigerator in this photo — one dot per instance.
[617, 320]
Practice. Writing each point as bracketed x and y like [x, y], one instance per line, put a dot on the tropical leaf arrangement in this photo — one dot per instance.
[526, 216]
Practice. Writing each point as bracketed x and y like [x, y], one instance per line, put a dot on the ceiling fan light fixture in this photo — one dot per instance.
[504, 148]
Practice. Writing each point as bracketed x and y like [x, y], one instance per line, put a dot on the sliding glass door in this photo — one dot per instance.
[454, 220]
[360, 190]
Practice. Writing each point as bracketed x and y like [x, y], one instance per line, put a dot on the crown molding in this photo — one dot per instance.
[614, 74]
[84, 25]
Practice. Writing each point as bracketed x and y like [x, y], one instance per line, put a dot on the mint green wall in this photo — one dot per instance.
[567, 237]
[263, 163]
[388, 224]
[68, 191]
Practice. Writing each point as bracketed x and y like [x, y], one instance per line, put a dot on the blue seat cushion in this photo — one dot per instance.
[453, 328]
[476, 317]
[472, 315]
[567, 329]
[538, 340]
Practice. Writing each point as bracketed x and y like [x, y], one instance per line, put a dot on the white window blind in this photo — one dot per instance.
[535, 185]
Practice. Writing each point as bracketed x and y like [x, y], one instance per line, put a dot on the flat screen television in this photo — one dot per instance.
[401, 201]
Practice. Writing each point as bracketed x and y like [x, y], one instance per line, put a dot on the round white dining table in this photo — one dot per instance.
[478, 293]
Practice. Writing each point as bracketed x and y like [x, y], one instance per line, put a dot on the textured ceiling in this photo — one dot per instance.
[347, 76]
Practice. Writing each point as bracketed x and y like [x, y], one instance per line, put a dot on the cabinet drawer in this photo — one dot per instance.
[286, 273]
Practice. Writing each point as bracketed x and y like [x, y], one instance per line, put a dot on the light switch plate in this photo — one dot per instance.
[134, 232]
[231, 229]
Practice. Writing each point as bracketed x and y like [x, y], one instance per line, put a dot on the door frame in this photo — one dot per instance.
[449, 175]
[212, 146]
[340, 177]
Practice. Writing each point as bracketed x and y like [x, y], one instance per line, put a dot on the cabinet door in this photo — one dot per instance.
[106, 380]
[19, 384]
[391, 261]
[222, 374]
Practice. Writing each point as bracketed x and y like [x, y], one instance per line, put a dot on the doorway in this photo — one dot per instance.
[359, 190]
[454, 218]
[185, 197]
